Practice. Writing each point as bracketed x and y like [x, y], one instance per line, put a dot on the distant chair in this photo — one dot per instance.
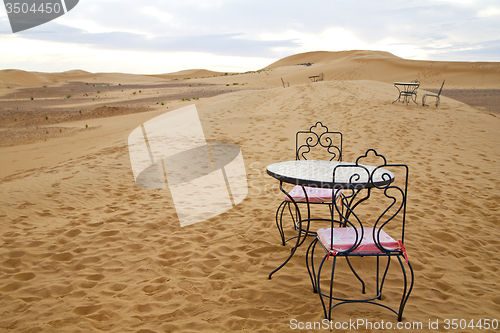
[432, 95]
[285, 84]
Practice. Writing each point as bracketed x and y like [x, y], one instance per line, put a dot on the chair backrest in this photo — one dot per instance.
[318, 143]
[373, 199]
[413, 89]
[442, 85]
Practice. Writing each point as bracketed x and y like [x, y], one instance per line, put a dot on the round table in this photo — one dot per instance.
[325, 174]
[321, 174]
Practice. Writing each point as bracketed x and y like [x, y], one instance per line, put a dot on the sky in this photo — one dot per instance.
[154, 36]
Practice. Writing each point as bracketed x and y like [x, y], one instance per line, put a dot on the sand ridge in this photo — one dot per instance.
[85, 249]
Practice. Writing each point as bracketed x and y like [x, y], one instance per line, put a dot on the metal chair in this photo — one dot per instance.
[320, 143]
[432, 95]
[369, 224]
[285, 84]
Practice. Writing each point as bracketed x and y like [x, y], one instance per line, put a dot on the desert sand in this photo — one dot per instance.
[84, 249]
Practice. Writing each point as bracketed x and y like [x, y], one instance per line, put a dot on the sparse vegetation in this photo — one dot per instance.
[68, 96]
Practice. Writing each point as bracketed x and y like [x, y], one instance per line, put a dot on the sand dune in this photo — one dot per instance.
[189, 73]
[85, 249]
[13, 78]
[385, 67]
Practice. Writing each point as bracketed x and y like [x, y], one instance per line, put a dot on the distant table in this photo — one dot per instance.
[407, 91]
[320, 174]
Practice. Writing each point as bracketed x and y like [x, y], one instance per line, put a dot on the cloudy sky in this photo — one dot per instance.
[155, 36]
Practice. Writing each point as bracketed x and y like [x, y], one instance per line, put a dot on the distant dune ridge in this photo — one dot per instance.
[342, 65]
[386, 67]
[84, 249]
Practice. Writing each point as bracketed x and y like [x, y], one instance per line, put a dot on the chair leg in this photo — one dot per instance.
[379, 289]
[406, 294]
[279, 220]
[363, 288]
[331, 289]
[329, 312]
[310, 266]
[437, 101]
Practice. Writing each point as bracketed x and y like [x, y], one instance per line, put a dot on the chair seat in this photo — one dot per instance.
[314, 194]
[344, 239]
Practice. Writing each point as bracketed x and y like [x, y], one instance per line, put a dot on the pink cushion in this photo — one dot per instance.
[314, 194]
[344, 239]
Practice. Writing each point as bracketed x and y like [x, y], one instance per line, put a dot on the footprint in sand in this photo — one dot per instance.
[86, 310]
[25, 276]
[66, 256]
[72, 233]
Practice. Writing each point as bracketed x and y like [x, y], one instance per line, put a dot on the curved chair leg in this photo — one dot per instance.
[310, 267]
[406, 294]
[381, 286]
[363, 288]
[318, 287]
[279, 220]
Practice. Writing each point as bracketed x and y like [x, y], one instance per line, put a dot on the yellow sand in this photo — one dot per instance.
[83, 248]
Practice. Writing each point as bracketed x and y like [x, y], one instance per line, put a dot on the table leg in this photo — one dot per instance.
[301, 230]
[399, 97]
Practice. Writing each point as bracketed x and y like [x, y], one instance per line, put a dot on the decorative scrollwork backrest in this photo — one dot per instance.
[318, 142]
[386, 187]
